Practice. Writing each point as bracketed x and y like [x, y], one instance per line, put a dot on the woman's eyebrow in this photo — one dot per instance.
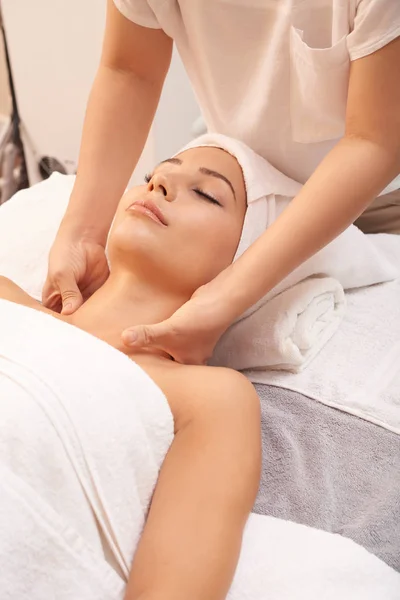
[212, 173]
[174, 161]
[205, 171]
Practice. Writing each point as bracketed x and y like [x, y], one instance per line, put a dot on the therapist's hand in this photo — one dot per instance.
[77, 268]
[190, 334]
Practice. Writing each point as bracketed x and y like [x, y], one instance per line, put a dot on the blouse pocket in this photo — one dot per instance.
[319, 79]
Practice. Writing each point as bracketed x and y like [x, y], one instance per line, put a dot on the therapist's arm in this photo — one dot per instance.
[350, 177]
[120, 111]
[121, 107]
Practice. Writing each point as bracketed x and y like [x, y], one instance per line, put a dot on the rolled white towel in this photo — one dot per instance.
[287, 331]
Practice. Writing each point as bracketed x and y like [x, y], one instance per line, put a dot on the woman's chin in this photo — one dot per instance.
[137, 226]
[137, 240]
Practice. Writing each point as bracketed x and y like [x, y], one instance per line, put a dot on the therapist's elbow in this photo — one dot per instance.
[384, 149]
[378, 131]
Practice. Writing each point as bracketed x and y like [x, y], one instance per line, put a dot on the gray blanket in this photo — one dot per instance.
[330, 470]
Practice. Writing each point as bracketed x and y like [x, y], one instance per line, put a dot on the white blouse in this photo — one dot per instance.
[273, 73]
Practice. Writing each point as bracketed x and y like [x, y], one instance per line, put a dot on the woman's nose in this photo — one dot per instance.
[161, 185]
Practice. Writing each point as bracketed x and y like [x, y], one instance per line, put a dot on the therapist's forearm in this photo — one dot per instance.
[345, 183]
[120, 110]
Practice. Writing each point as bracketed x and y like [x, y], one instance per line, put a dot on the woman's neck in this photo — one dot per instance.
[124, 301]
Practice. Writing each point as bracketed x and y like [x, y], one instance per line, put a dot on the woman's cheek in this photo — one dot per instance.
[210, 228]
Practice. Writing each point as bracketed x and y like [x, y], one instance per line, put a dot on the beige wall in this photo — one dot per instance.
[5, 101]
[55, 50]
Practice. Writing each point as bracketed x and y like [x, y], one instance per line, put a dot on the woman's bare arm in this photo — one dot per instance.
[345, 183]
[121, 107]
[206, 489]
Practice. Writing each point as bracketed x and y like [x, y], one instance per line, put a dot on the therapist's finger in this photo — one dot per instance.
[160, 336]
[51, 297]
[52, 300]
[143, 336]
[70, 295]
[62, 294]
[164, 336]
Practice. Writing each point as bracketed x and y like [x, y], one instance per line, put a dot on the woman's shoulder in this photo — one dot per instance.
[11, 291]
[191, 381]
[220, 378]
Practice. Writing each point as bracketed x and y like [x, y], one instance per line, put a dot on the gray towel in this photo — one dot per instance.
[330, 470]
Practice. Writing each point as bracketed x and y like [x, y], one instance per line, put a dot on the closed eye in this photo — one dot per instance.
[208, 197]
[148, 177]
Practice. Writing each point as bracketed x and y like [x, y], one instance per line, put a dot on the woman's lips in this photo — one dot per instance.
[150, 209]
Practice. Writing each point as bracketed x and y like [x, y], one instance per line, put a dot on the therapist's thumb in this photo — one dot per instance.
[71, 297]
[143, 336]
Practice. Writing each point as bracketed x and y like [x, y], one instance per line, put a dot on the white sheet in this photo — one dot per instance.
[281, 560]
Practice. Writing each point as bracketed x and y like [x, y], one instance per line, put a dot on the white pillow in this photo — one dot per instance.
[29, 223]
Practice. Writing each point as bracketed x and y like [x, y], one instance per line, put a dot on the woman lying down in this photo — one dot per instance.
[84, 428]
